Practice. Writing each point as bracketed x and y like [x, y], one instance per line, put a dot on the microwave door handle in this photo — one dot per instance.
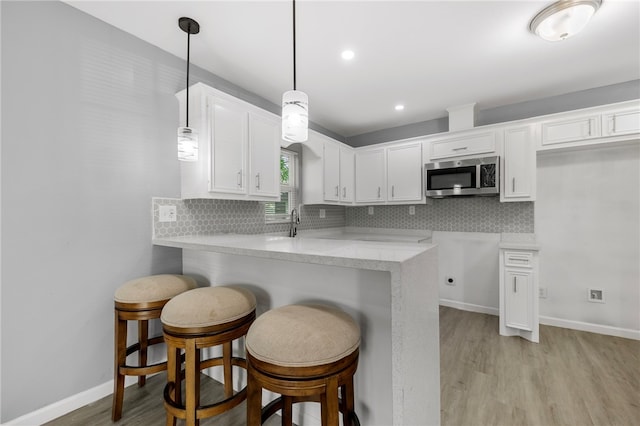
[478, 176]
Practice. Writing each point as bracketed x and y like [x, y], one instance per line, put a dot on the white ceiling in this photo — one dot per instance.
[427, 55]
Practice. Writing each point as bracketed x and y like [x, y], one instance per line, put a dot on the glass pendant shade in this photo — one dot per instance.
[295, 116]
[563, 19]
[187, 144]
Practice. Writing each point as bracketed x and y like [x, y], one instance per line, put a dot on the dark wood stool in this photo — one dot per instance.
[304, 353]
[140, 300]
[195, 320]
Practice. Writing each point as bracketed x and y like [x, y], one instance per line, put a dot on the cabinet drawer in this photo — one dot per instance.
[570, 130]
[518, 259]
[621, 123]
[470, 144]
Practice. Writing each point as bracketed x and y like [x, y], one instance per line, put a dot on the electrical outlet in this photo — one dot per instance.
[370, 211]
[542, 292]
[449, 281]
[412, 210]
[595, 295]
[323, 213]
[167, 213]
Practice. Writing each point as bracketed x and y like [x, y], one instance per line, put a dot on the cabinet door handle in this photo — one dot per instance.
[460, 149]
[378, 192]
[258, 181]
[513, 185]
[240, 178]
[393, 191]
[344, 192]
[589, 127]
[337, 190]
[613, 127]
[515, 285]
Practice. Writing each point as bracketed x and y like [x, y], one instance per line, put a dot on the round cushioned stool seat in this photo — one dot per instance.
[207, 307]
[153, 288]
[303, 336]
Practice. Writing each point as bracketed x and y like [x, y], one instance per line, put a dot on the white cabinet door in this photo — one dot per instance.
[570, 130]
[264, 155]
[518, 299]
[519, 165]
[404, 172]
[347, 170]
[331, 171]
[468, 143]
[619, 123]
[370, 176]
[228, 130]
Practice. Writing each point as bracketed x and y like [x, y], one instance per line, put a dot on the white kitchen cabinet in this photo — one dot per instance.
[404, 172]
[519, 291]
[239, 147]
[518, 165]
[473, 142]
[371, 179]
[327, 171]
[621, 122]
[566, 130]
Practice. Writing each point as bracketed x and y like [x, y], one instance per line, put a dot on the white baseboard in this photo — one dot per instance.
[470, 307]
[555, 322]
[67, 405]
[592, 328]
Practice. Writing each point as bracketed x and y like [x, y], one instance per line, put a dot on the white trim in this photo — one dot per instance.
[67, 405]
[592, 328]
[626, 333]
[470, 307]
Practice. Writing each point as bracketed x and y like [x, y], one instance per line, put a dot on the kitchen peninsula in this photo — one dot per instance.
[390, 288]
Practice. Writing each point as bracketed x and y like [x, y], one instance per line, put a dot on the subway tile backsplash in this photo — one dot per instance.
[476, 214]
[473, 214]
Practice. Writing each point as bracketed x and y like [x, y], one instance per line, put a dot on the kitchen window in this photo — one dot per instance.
[279, 211]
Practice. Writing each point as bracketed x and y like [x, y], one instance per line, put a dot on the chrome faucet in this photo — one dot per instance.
[293, 223]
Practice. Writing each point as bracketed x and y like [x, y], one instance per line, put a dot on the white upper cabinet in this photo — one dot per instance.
[239, 148]
[621, 122]
[347, 174]
[331, 171]
[519, 164]
[404, 172]
[569, 130]
[471, 142]
[371, 180]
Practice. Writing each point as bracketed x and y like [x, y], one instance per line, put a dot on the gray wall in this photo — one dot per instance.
[583, 99]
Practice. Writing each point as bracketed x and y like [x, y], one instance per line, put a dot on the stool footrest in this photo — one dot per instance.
[136, 346]
[203, 411]
[130, 370]
[277, 404]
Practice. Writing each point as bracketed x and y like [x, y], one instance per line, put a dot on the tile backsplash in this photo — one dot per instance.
[474, 214]
[206, 216]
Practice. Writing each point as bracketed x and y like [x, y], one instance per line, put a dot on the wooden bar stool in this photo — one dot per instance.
[140, 300]
[304, 353]
[195, 320]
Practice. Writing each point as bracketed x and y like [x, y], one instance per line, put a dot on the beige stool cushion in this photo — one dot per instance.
[153, 288]
[208, 306]
[303, 336]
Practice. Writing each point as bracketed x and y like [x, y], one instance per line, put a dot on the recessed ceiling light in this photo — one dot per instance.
[347, 55]
[399, 107]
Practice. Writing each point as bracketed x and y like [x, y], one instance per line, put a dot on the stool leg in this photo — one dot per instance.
[143, 341]
[348, 405]
[120, 358]
[228, 370]
[254, 400]
[173, 373]
[287, 410]
[329, 400]
[192, 374]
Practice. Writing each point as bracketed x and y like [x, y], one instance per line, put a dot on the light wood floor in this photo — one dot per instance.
[570, 378]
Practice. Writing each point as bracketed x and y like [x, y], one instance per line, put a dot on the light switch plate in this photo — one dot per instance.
[412, 210]
[323, 213]
[370, 209]
[167, 213]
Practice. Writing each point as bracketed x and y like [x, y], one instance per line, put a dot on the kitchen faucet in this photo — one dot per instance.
[293, 224]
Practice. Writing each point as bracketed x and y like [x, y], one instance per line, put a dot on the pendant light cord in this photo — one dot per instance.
[294, 44]
[188, 60]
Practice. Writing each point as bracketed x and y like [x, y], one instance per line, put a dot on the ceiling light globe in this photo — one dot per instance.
[295, 116]
[563, 19]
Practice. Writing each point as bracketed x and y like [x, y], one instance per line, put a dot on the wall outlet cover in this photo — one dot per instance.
[542, 292]
[370, 210]
[167, 213]
[412, 210]
[323, 213]
[595, 295]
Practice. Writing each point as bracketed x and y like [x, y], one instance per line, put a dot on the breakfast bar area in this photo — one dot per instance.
[389, 288]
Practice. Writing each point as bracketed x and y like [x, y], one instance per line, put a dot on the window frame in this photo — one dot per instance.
[291, 188]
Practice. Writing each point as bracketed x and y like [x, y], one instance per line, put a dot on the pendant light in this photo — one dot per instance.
[563, 19]
[295, 104]
[188, 137]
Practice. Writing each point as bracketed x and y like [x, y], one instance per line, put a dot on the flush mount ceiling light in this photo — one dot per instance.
[563, 19]
[348, 55]
[295, 104]
[399, 107]
[188, 137]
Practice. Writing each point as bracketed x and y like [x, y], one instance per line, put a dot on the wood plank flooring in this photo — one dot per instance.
[570, 378]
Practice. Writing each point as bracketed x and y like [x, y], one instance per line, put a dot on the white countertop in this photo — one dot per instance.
[375, 255]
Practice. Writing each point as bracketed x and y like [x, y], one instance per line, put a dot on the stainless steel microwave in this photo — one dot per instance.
[474, 176]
